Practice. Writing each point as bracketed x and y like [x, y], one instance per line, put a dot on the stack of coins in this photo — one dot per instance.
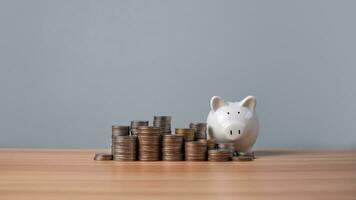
[102, 156]
[229, 146]
[149, 143]
[219, 155]
[195, 151]
[249, 156]
[135, 124]
[120, 131]
[124, 148]
[211, 143]
[200, 129]
[164, 122]
[172, 148]
[187, 133]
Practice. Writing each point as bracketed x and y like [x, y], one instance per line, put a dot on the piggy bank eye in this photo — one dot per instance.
[228, 113]
[238, 112]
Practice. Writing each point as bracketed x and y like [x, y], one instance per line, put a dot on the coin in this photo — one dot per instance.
[230, 146]
[121, 127]
[135, 124]
[195, 151]
[251, 154]
[166, 118]
[124, 148]
[219, 155]
[164, 122]
[149, 143]
[211, 143]
[200, 129]
[120, 130]
[242, 158]
[102, 156]
[172, 148]
[187, 133]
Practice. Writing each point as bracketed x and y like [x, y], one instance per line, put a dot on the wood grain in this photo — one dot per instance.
[275, 174]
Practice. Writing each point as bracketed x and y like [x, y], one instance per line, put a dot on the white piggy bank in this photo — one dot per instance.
[234, 122]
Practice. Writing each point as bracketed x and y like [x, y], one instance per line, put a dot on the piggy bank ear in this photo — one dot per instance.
[216, 102]
[249, 102]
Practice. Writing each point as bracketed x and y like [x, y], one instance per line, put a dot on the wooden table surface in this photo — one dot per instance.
[275, 174]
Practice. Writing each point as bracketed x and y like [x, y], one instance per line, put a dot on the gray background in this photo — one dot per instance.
[71, 69]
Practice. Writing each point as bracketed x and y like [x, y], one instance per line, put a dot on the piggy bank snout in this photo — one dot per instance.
[233, 130]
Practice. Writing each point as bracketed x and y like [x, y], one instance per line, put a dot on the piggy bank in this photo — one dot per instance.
[233, 122]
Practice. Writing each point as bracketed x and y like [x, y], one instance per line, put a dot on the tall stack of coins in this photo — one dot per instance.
[187, 133]
[195, 151]
[135, 124]
[164, 122]
[149, 143]
[219, 155]
[120, 130]
[229, 146]
[200, 129]
[124, 148]
[172, 148]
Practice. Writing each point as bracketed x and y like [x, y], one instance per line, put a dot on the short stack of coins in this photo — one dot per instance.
[229, 146]
[248, 156]
[135, 124]
[164, 122]
[200, 129]
[195, 151]
[172, 148]
[149, 143]
[187, 133]
[124, 148]
[102, 156]
[219, 155]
